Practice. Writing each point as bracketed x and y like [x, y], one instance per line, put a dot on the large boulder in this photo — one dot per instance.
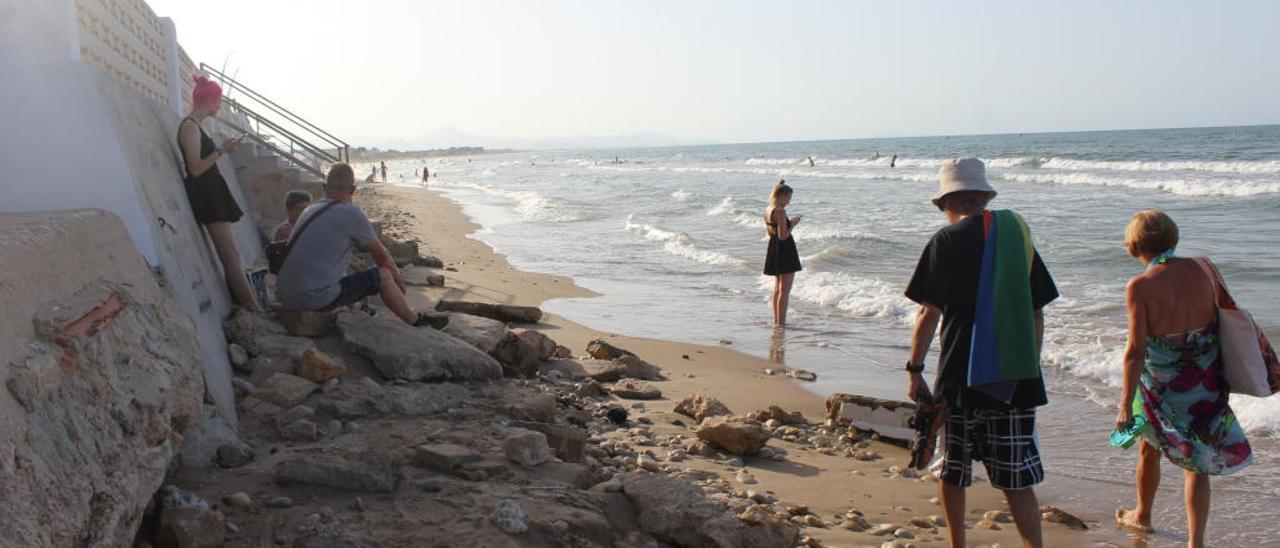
[586, 368]
[367, 473]
[635, 390]
[678, 512]
[190, 527]
[245, 328]
[508, 313]
[285, 390]
[635, 368]
[733, 434]
[317, 366]
[527, 447]
[522, 352]
[306, 323]
[479, 331]
[367, 398]
[92, 413]
[699, 407]
[400, 351]
[602, 350]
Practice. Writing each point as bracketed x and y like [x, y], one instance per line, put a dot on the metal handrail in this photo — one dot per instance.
[280, 152]
[342, 147]
[315, 151]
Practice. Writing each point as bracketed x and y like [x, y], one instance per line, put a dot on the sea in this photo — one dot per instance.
[673, 240]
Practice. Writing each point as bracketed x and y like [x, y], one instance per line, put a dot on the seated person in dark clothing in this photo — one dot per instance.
[294, 204]
[311, 277]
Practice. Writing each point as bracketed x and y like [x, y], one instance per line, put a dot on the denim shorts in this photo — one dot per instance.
[357, 286]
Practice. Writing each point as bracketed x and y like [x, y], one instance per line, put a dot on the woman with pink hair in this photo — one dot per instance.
[211, 201]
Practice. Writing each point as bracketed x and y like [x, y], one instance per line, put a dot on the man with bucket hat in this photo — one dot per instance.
[982, 278]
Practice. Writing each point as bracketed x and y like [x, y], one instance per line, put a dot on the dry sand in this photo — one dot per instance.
[828, 485]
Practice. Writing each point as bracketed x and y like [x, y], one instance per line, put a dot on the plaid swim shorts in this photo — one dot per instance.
[1004, 440]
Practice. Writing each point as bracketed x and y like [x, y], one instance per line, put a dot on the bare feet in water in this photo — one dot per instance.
[1128, 520]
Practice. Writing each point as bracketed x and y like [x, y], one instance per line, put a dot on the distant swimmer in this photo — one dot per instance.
[877, 156]
[811, 161]
[893, 162]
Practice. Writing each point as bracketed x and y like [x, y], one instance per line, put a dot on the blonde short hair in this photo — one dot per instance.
[1150, 232]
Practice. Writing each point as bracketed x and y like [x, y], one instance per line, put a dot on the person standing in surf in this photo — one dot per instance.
[781, 260]
[982, 278]
[1173, 376]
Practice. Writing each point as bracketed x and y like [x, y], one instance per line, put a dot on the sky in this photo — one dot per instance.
[402, 74]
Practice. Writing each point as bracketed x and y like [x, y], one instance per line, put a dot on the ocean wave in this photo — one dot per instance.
[1184, 187]
[680, 244]
[681, 195]
[819, 234]
[855, 296]
[530, 206]
[1271, 167]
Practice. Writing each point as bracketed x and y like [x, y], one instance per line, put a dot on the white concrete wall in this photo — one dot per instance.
[82, 137]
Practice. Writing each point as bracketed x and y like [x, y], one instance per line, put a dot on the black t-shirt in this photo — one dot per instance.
[947, 277]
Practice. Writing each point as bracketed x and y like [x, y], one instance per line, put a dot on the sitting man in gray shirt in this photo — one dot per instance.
[311, 277]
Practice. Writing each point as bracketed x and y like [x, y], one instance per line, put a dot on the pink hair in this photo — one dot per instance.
[206, 92]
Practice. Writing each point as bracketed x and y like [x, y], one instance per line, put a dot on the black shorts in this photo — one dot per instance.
[365, 283]
[1004, 440]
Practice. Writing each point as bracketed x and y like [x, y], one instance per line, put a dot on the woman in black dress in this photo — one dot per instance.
[211, 201]
[782, 261]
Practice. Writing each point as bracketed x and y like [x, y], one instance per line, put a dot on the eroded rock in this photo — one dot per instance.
[700, 407]
[399, 351]
[735, 435]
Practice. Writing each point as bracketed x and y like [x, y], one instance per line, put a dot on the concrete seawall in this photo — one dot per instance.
[101, 376]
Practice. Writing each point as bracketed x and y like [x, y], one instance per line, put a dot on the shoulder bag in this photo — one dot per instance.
[1249, 363]
[277, 252]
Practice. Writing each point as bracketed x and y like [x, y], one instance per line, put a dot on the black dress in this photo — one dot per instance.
[211, 201]
[782, 256]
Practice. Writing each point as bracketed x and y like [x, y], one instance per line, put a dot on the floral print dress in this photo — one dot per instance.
[1184, 398]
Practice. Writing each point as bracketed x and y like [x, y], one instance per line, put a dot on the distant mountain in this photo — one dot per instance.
[450, 136]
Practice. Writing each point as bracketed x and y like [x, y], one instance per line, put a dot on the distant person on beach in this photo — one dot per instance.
[893, 162]
[311, 277]
[384, 172]
[373, 174]
[295, 202]
[811, 161]
[1173, 375]
[781, 259]
[211, 200]
[975, 276]
[426, 174]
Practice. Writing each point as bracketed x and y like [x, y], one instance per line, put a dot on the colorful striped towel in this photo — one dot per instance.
[1004, 347]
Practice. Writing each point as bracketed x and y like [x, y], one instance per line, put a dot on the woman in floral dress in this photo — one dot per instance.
[1173, 376]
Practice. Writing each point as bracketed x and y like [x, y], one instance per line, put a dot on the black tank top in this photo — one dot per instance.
[207, 147]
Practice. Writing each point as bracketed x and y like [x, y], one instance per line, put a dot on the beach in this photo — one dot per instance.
[830, 485]
[683, 225]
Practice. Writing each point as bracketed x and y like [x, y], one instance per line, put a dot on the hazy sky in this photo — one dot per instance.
[389, 72]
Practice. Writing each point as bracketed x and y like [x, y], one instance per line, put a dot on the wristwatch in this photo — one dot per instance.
[914, 367]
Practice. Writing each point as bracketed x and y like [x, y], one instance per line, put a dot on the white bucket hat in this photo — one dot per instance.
[962, 174]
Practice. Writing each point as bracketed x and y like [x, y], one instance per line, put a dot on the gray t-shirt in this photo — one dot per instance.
[309, 278]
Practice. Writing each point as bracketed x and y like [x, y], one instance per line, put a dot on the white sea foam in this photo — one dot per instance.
[1184, 187]
[681, 195]
[680, 244]
[530, 206]
[858, 297]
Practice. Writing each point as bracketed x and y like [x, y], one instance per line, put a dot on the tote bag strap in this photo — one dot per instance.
[1219, 286]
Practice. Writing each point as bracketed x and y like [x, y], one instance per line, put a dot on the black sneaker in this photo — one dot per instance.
[434, 321]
